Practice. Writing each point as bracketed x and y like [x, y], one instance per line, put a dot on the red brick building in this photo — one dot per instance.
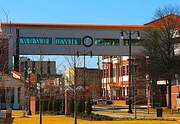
[116, 74]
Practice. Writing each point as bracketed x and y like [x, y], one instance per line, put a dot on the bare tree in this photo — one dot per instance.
[162, 40]
[9, 92]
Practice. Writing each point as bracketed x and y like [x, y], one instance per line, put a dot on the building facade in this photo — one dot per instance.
[48, 67]
[12, 92]
[92, 78]
[115, 81]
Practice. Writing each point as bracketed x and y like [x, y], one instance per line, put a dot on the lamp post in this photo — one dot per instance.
[84, 54]
[29, 71]
[130, 80]
[75, 117]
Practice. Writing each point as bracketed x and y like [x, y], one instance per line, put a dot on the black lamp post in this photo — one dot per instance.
[29, 71]
[130, 80]
[84, 54]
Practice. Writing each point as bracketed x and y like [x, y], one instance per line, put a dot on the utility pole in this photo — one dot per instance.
[39, 80]
[75, 118]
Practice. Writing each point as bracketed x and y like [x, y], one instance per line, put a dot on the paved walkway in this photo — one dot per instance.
[139, 114]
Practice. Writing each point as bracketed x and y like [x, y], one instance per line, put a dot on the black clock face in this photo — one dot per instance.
[87, 41]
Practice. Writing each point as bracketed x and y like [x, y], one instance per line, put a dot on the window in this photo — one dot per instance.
[123, 91]
[123, 70]
[106, 42]
[69, 41]
[35, 40]
[134, 42]
[127, 69]
[104, 73]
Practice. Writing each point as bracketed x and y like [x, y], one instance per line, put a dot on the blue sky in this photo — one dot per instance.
[110, 12]
[82, 11]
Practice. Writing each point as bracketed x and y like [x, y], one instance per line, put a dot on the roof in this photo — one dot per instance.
[165, 18]
[12, 77]
[17, 73]
[91, 26]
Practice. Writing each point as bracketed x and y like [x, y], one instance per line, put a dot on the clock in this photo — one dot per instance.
[87, 41]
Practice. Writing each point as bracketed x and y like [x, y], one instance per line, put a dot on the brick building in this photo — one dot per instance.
[116, 80]
[92, 80]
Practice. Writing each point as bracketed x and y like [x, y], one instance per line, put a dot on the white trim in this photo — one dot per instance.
[173, 93]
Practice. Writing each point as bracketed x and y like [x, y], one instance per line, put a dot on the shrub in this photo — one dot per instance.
[55, 105]
[72, 114]
[44, 106]
[58, 113]
[94, 118]
[37, 112]
[71, 106]
[60, 106]
[81, 114]
[51, 112]
[68, 114]
[97, 115]
[91, 116]
[79, 107]
[84, 115]
[88, 106]
[45, 112]
[50, 104]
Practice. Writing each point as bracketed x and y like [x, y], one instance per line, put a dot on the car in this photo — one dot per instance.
[109, 102]
[93, 102]
[104, 101]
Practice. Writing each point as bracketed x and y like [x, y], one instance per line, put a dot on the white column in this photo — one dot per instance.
[125, 91]
[15, 104]
[22, 98]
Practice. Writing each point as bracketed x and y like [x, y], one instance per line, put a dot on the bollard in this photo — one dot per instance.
[171, 111]
[9, 113]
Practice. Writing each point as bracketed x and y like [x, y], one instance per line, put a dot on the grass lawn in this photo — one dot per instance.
[69, 120]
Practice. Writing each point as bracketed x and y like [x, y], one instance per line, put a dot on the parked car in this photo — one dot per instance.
[104, 101]
[93, 102]
[109, 102]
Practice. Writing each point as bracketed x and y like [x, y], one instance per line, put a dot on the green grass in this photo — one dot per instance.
[143, 119]
[165, 110]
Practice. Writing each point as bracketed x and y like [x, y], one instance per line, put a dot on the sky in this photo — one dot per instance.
[108, 12]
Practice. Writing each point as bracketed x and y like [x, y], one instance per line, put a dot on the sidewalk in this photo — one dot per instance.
[140, 114]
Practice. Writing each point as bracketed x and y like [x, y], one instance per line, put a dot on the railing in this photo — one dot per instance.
[115, 98]
[118, 97]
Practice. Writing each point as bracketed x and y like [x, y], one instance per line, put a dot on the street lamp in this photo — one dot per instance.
[29, 71]
[84, 54]
[130, 81]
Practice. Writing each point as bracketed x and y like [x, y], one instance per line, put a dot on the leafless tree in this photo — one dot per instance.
[9, 92]
[161, 41]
